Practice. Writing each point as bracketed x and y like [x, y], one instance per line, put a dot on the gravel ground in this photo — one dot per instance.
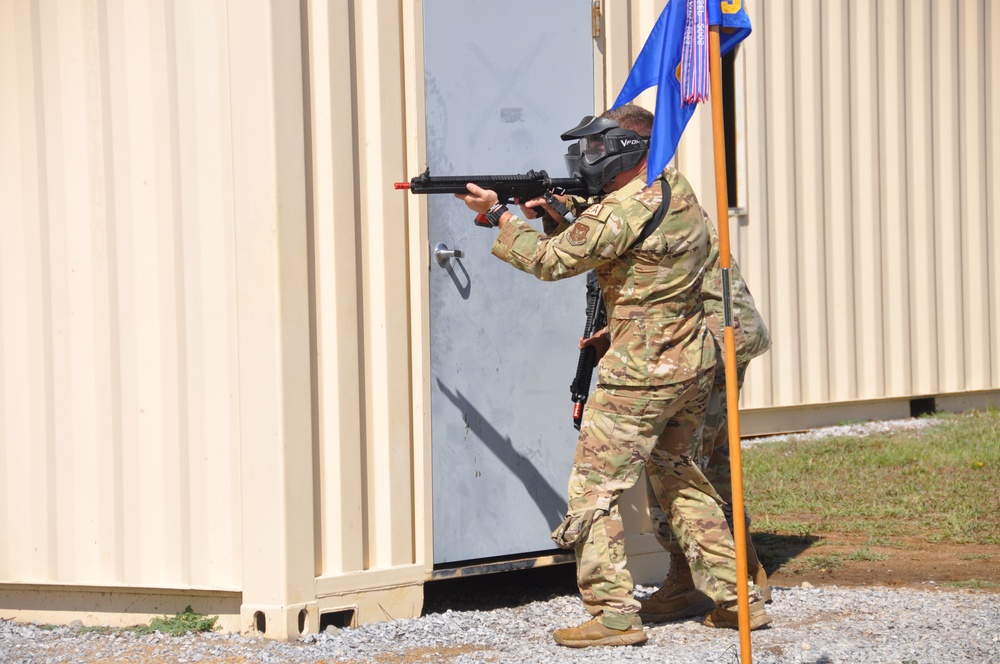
[510, 617]
[817, 625]
[859, 430]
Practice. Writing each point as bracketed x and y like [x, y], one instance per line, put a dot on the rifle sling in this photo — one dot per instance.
[657, 218]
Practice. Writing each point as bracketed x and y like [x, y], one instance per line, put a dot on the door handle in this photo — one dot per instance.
[442, 254]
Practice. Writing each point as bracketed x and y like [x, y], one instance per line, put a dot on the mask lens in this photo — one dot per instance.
[593, 148]
[572, 158]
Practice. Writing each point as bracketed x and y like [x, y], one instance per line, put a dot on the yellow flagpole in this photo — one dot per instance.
[732, 389]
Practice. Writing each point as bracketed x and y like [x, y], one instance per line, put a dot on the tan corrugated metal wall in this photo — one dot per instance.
[869, 171]
[371, 262]
[120, 400]
[213, 325]
[207, 346]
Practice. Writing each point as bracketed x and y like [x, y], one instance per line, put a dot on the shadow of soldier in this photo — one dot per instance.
[776, 550]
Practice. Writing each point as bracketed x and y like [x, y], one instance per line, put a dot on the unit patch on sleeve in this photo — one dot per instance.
[578, 233]
[599, 212]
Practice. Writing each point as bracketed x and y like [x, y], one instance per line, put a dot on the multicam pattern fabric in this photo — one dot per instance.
[652, 292]
[711, 445]
[624, 430]
[711, 442]
[749, 331]
[653, 383]
[713, 436]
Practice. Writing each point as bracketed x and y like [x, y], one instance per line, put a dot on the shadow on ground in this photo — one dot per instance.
[501, 590]
[775, 550]
[512, 588]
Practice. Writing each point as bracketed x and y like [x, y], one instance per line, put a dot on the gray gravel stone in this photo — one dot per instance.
[497, 620]
[811, 625]
[859, 430]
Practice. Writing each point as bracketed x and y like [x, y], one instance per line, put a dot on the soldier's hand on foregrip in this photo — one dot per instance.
[478, 200]
[482, 202]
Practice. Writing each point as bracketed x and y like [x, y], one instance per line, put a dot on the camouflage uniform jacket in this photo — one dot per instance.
[749, 331]
[652, 291]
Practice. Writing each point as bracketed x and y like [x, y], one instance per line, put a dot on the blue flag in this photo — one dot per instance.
[659, 64]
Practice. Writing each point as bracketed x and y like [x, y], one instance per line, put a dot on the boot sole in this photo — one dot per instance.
[616, 640]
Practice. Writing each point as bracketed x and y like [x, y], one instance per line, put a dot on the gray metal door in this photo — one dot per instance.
[503, 81]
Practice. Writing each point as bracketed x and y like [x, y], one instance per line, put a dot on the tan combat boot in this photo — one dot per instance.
[677, 598]
[595, 633]
[728, 616]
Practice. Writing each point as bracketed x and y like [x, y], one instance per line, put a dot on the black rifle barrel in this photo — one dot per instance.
[522, 186]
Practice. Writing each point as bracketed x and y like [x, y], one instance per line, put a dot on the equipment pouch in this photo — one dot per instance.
[575, 528]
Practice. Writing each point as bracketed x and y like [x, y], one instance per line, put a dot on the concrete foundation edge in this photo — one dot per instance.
[350, 609]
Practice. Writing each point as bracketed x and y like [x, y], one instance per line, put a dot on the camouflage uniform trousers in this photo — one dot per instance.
[624, 430]
[711, 446]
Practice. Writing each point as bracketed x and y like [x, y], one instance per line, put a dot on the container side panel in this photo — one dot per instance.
[896, 293]
[335, 223]
[125, 324]
[992, 184]
[921, 195]
[389, 459]
[807, 40]
[782, 191]
[950, 314]
[755, 263]
[974, 222]
[841, 313]
[867, 237]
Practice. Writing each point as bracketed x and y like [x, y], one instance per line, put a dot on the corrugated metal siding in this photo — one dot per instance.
[121, 398]
[870, 177]
[370, 517]
[125, 204]
[904, 273]
[117, 296]
[140, 253]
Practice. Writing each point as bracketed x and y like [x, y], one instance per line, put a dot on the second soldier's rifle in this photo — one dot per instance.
[597, 319]
[597, 316]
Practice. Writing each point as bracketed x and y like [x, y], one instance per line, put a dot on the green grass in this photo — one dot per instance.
[972, 584]
[103, 629]
[976, 556]
[178, 624]
[937, 483]
[820, 562]
[865, 554]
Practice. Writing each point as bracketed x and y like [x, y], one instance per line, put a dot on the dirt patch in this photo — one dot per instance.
[850, 561]
[430, 655]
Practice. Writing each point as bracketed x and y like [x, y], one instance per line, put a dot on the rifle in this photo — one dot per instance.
[597, 319]
[507, 187]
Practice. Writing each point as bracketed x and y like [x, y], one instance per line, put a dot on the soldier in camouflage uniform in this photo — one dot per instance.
[681, 594]
[654, 381]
